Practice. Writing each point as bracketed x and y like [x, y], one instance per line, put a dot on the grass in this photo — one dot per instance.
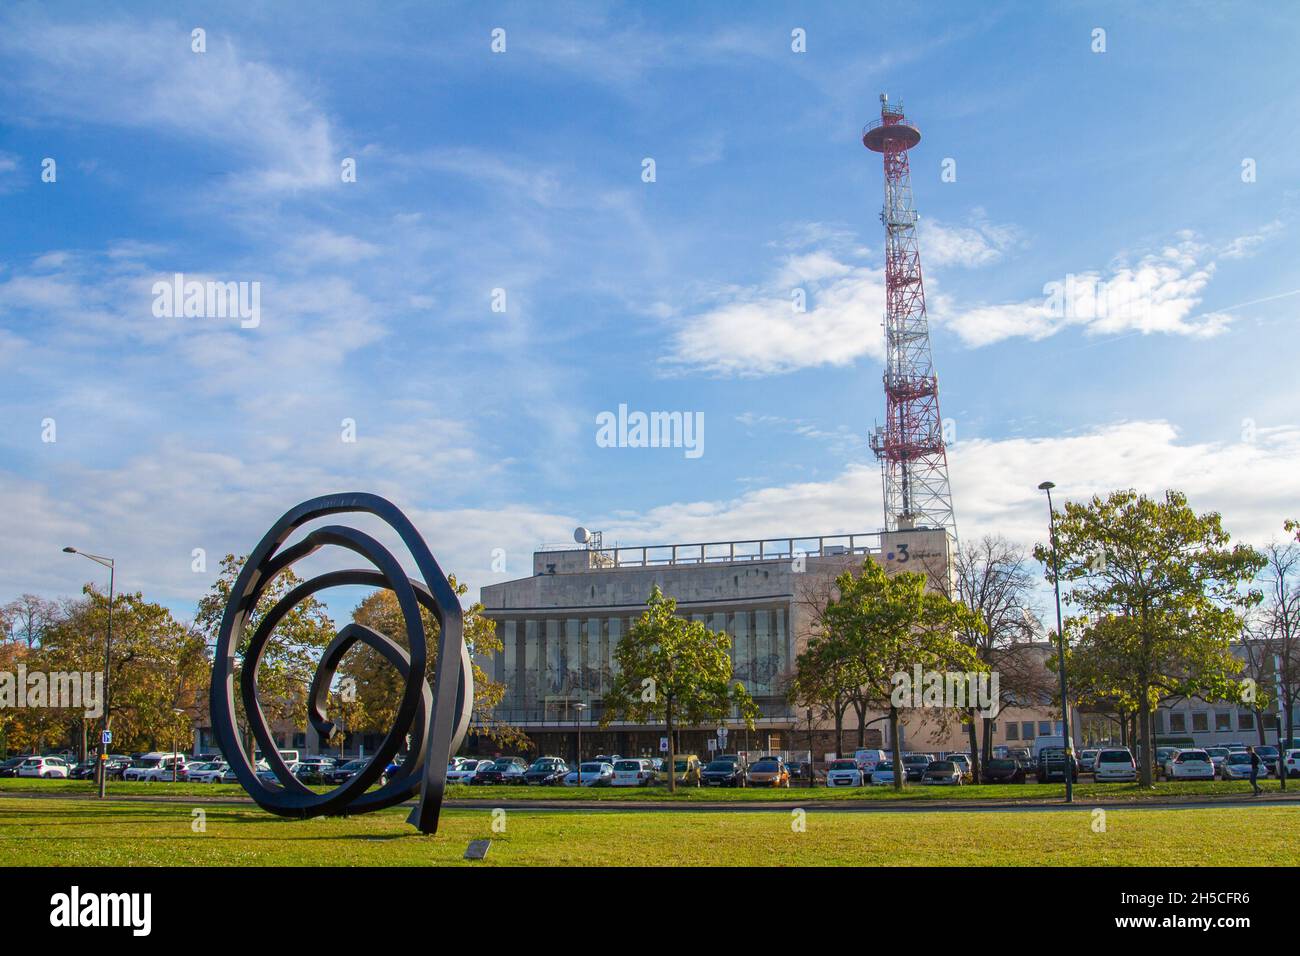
[35, 832]
[1026, 793]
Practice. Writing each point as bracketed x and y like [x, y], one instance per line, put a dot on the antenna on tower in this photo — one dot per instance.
[910, 445]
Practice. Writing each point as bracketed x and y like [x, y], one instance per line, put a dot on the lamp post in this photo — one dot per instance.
[175, 755]
[102, 770]
[1047, 486]
[580, 708]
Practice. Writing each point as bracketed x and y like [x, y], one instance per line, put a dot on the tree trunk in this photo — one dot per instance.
[988, 739]
[899, 773]
[839, 731]
[861, 711]
[1259, 727]
[1146, 776]
[974, 748]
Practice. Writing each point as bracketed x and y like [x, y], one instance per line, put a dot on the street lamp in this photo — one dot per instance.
[580, 708]
[108, 656]
[1047, 486]
[175, 762]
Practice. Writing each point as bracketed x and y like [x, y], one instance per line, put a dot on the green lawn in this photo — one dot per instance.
[1028, 792]
[88, 833]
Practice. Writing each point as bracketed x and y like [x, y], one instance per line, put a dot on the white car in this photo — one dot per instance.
[1191, 765]
[47, 767]
[867, 760]
[206, 772]
[844, 773]
[591, 774]
[465, 770]
[1115, 765]
[155, 768]
[1237, 766]
[634, 772]
[883, 775]
[1291, 763]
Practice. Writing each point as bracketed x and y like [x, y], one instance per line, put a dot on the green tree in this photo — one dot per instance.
[887, 625]
[1161, 594]
[674, 671]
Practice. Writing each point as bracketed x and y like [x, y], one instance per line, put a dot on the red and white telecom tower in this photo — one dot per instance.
[910, 444]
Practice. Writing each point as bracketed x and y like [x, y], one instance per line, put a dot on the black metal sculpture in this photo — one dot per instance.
[435, 720]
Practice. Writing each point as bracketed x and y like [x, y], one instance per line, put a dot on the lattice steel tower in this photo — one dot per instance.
[910, 445]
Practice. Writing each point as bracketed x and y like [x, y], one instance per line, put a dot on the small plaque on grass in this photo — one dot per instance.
[477, 849]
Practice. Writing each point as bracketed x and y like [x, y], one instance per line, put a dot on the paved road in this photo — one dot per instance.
[782, 806]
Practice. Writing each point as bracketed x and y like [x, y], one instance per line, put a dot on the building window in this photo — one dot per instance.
[1027, 729]
[1200, 721]
[1013, 731]
[1044, 728]
[1245, 720]
[1177, 722]
[1222, 722]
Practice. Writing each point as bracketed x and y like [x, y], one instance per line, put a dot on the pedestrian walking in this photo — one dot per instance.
[1254, 770]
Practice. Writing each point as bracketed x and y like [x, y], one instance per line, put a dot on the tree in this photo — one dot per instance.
[1161, 594]
[1273, 656]
[992, 578]
[28, 618]
[889, 624]
[825, 681]
[673, 671]
[289, 661]
[379, 686]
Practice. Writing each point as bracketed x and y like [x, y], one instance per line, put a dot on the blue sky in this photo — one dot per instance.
[522, 171]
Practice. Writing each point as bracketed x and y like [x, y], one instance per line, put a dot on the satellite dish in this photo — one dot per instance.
[581, 535]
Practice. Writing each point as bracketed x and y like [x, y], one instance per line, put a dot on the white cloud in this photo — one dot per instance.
[1243, 247]
[981, 243]
[1159, 292]
[136, 75]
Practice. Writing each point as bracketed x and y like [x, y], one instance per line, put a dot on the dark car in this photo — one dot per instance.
[1003, 770]
[337, 775]
[10, 767]
[313, 774]
[914, 765]
[83, 771]
[503, 770]
[724, 773]
[546, 772]
[1054, 764]
[117, 764]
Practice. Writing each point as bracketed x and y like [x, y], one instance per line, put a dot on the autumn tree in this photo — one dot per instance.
[674, 671]
[378, 685]
[887, 624]
[1161, 594]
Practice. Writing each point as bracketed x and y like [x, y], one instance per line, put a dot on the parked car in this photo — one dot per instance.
[723, 773]
[942, 773]
[1163, 756]
[883, 775]
[1269, 756]
[687, 769]
[156, 767]
[769, 772]
[1022, 756]
[867, 760]
[1116, 765]
[915, 765]
[337, 775]
[1291, 763]
[465, 770]
[546, 772]
[9, 768]
[1217, 755]
[1003, 770]
[1088, 761]
[45, 767]
[844, 773]
[610, 759]
[1191, 765]
[117, 766]
[503, 770]
[208, 772]
[633, 772]
[1237, 766]
[590, 774]
[311, 774]
[1054, 764]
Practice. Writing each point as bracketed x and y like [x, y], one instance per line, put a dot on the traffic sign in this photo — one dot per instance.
[663, 745]
[106, 738]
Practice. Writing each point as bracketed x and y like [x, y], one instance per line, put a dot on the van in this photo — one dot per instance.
[867, 760]
[1054, 742]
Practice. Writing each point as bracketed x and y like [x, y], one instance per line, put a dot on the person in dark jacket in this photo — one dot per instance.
[1254, 770]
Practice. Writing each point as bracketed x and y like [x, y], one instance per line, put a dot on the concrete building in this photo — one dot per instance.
[561, 625]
